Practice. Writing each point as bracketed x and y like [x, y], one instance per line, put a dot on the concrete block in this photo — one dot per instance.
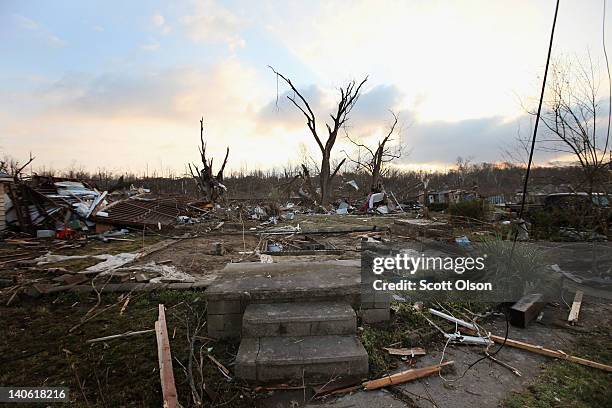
[223, 326]
[246, 366]
[219, 307]
[375, 315]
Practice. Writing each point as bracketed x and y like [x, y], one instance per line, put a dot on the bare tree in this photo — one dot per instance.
[464, 167]
[373, 160]
[13, 167]
[517, 152]
[348, 98]
[572, 117]
[210, 186]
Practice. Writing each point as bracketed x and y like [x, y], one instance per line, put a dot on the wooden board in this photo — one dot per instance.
[405, 376]
[166, 373]
[573, 316]
[543, 351]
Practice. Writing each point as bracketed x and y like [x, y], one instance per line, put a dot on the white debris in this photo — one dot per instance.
[110, 262]
[353, 184]
[165, 272]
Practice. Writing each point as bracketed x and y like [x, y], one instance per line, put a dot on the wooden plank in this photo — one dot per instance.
[410, 352]
[544, 351]
[405, 376]
[526, 309]
[573, 316]
[165, 361]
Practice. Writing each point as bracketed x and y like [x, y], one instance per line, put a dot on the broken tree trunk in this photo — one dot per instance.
[405, 376]
[210, 186]
[165, 361]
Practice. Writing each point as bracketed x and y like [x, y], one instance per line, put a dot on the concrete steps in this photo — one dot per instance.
[298, 319]
[294, 341]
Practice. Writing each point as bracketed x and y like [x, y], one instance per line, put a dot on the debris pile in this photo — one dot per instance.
[51, 207]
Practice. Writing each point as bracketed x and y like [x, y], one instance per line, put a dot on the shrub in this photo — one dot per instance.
[471, 209]
[437, 206]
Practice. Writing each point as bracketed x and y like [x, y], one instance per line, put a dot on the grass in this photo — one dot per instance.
[565, 384]
[406, 329]
[37, 348]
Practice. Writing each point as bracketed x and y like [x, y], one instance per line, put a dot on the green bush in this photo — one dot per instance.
[471, 209]
[437, 206]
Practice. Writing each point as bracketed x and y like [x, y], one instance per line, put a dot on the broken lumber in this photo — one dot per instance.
[573, 316]
[410, 352]
[452, 319]
[405, 376]
[544, 351]
[118, 336]
[165, 361]
[526, 309]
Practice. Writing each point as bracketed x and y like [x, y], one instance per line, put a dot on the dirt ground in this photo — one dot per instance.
[488, 384]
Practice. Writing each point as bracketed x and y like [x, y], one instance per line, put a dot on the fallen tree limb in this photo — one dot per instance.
[405, 376]
[119, 336]
[544, 351]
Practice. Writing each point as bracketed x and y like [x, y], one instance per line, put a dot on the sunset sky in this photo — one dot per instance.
[121, 86]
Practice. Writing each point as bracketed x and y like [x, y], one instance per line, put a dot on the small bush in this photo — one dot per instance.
[437, 206]
[471, 209]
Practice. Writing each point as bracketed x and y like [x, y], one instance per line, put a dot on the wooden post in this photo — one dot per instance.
[165, 361]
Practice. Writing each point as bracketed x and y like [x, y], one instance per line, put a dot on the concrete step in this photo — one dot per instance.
[314, 358]
[298, 319]
[242, 284]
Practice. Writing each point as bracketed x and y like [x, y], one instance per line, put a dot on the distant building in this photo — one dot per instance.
[5, 180]
[451, 196]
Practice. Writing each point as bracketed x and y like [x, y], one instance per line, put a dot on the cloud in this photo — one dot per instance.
[31, 25]
[281, 113]
[159, 23]
[153, 116]
[98, 28]
[483, 139]
[150, 47]
[169, 94]
[26, 23]
[55, 41]
[211, 22]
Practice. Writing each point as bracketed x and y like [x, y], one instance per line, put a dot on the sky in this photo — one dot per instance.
[121, 86]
